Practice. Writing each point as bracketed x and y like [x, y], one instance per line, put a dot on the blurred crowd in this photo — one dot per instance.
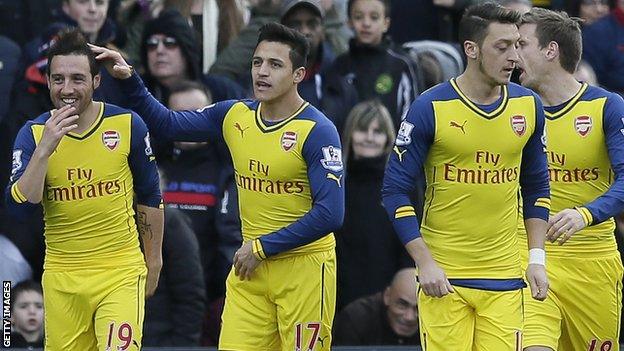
[369, 60]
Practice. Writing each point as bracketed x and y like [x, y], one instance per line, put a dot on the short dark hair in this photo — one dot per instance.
[299, 46]
[386, 4]
[474, 23]
[186, 85]
[72, 42]
[21, 287]
[558, 27]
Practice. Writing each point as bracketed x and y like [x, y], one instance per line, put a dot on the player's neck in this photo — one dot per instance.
[281, 107]
[478, 89]
[558, 88]
[88, 117]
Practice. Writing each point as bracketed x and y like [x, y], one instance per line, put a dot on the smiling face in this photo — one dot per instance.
[402, 303]
[71, 83]
[369, 20]
[272, 72]
[370, 142]
[90, 14]
[497, 56]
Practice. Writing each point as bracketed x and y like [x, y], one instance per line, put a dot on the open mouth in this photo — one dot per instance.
[69, 101]
[262, 85]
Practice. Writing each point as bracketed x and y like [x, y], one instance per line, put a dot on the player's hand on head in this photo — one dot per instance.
[115, 64]
[538, 281]
[433, 281]
[245, 262]
[61, 122]
[564, 224]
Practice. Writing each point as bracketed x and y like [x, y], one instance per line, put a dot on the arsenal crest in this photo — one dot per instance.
[583, 125]
[110, 138]
[289, 139]
[518, 124]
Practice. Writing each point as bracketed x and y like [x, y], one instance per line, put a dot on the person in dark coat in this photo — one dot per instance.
[368, 250]
[174, 314]
[332, 94]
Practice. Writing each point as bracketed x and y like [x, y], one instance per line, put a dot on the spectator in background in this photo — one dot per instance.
[234, 61]
[31, 95]
[27, 315]
[331, 94]
[585, 73]
[373, 64]
[388, 318]
[603, 48]
[14, 267]
[174, 315]
[522, 6]
[368, 250]
[588, 10]
[170, 54]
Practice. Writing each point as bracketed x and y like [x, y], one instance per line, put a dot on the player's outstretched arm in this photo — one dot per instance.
[150, 224]
[30, 163]
[432, 279]
[196, 125]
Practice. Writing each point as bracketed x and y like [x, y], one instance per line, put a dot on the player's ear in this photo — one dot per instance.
[552, 50]
[471, 49]
[298, 75]
[96, 81]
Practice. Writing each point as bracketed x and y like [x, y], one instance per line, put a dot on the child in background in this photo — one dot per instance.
[27, 315]
[373, 64]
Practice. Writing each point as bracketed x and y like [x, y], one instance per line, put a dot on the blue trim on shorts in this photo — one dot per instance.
[490, 284]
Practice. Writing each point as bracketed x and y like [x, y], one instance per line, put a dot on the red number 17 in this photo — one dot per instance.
[316, 329]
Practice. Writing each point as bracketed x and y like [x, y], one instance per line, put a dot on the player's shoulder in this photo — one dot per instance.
[516, 90]
[440, 92]
[311, 113]
[593, 92]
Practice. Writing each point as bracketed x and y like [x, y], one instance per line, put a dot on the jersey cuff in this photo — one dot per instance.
[404, 211]
[543, 202]
[257, 250]
[587, 216]
[17, 194]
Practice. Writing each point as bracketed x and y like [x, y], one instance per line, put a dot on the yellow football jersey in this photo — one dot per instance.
[474, 159]
[584, 141]
[89, 187]
[289, 174]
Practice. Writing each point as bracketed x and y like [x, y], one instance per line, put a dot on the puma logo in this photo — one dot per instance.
[240, 129]
[333, 177]
[399, 153]
[322, 340]
[460, 126]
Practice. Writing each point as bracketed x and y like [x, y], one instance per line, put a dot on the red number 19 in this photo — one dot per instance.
[124, 334]
[605, 346]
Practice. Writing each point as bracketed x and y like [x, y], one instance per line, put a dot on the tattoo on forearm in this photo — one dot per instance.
[145, 229]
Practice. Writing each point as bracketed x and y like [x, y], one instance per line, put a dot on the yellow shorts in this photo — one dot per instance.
[94, 309]
[288, 305]
[582, 311]
[471, 320]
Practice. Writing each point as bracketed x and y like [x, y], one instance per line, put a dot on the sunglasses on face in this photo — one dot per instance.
[168, 42]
